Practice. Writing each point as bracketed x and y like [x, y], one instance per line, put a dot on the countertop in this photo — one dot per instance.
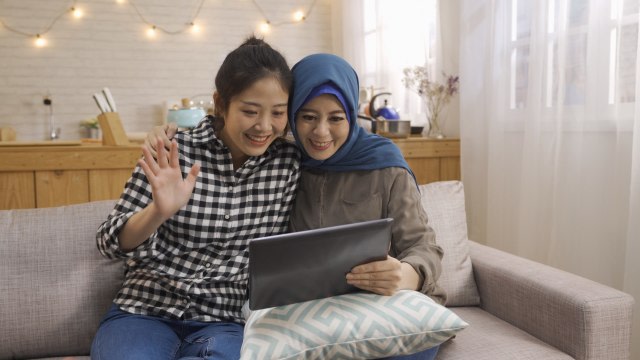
[83, 155]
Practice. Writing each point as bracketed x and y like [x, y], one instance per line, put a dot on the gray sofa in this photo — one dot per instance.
[55, 287]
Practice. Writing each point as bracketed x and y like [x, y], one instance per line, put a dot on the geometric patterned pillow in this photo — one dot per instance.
[353, 326]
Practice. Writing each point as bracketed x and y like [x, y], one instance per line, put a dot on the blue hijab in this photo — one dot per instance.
[325, 73]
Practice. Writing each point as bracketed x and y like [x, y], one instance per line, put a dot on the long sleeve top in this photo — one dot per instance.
[336, 198]
[195, 266]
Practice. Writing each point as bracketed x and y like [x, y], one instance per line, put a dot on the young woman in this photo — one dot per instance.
[184, 221]
[349, 175]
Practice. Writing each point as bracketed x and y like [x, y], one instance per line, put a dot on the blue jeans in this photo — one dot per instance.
[123, 336]
[429, 354]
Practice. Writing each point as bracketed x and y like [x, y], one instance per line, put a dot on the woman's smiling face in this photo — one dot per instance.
[322, 126]
[255, 118]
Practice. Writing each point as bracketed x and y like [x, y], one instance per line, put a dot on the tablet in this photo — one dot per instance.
[312, 264]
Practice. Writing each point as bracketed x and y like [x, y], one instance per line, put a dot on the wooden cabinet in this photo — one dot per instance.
[45, 176]
[17, 190]
[107, 184]
[61, 187]
[432, 159]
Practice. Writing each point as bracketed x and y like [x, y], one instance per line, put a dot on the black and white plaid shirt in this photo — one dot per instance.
[195, 266]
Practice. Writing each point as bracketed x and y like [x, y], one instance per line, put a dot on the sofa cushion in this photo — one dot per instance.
[489, 338]
[55, 286]
[444, 203]
[352, 326]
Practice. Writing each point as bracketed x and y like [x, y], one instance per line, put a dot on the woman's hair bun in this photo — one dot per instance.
[253, 41]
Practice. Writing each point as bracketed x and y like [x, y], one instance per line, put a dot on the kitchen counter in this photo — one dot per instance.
[45, 175]
[51, 175]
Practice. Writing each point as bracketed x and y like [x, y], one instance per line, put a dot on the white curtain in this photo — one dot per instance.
[550, 134]
[380, 38]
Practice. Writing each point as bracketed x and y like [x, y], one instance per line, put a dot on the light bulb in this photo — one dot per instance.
[151, 32]
[77, 13]
[265, 27]
[40, 41]
[120, 1]
[298, 15]
[195, 29]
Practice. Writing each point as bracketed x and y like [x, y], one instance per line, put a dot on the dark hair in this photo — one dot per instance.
[250, 62]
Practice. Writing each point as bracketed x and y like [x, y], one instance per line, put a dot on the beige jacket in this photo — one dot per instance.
[333, 198]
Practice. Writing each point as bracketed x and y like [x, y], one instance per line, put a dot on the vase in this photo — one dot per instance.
[435, 126]
[93, 133]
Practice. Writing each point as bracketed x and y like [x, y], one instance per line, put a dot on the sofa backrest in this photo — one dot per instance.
[54, 284]
[443, 201]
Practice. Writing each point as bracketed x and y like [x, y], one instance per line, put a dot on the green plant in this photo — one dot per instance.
[90, 123]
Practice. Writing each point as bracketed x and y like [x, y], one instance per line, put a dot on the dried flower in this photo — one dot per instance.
[435, 94]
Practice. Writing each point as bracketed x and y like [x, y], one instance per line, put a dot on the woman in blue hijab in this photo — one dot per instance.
[350, 175]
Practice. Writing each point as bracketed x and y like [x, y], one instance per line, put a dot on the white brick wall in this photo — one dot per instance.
[109, 47]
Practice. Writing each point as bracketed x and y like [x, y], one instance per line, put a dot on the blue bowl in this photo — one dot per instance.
[186, 118]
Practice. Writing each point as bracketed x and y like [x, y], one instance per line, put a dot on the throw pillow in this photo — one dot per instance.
[352, 326]
[444, 203]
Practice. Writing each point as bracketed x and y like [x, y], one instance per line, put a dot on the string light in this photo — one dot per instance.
[298, 16]
[151, 32]
[195, 28]
[77, 13]
[264, 27]
[187, 25]
[40, 41]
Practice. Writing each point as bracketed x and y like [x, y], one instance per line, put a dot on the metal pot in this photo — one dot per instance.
[389, 128]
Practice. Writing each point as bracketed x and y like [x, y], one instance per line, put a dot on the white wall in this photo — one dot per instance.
[109, 47]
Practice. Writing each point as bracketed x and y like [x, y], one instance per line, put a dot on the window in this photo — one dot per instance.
[624, 49]
[582, 44]
[520, 40]
[392, 42]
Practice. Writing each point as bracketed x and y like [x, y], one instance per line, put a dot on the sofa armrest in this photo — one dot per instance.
[582, 318]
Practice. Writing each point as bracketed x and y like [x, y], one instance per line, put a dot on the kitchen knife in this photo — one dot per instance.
[109, 97]
[101, 102]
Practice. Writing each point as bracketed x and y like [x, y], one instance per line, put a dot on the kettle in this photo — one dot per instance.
[386, 111]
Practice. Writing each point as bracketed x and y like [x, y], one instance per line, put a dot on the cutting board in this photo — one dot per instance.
[41, 143]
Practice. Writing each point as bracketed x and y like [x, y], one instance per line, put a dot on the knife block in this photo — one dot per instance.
[112, 130]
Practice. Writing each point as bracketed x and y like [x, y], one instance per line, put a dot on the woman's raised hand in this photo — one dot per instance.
[170, 190]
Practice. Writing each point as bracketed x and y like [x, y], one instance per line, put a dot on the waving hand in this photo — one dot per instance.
[170, 190]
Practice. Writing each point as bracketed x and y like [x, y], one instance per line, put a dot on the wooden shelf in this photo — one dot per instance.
[431, 159]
